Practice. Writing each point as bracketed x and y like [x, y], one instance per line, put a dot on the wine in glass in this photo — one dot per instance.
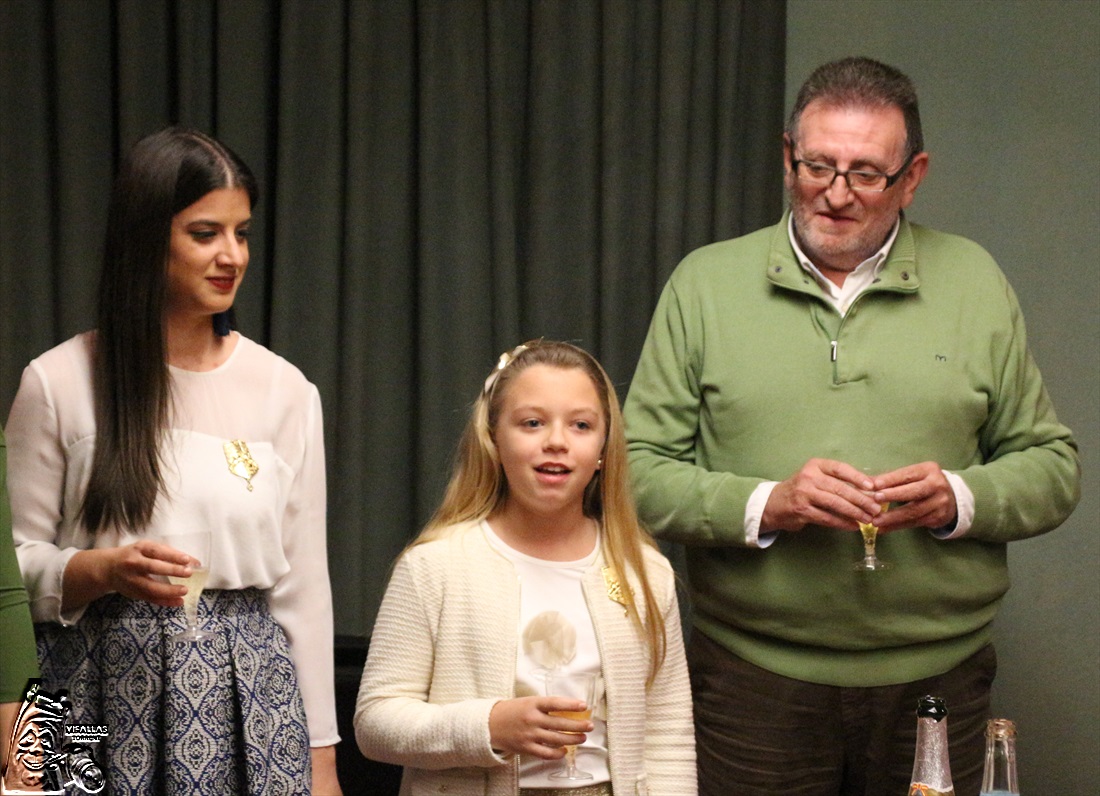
[869, 532]
[577, 685]
[195, 544]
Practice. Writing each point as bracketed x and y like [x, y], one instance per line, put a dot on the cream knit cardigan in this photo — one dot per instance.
[443, 652]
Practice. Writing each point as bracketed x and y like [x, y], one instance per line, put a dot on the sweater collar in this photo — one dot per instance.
[898, 273]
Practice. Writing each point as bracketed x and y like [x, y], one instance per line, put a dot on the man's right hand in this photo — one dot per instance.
[823, 492]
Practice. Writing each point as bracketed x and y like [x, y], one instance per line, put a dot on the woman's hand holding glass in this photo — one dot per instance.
[127, 570]
[196, 546]
[524, 725]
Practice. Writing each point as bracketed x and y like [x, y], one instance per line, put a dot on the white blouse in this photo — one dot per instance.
[270, 537]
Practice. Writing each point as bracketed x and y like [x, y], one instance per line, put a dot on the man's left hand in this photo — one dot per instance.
[920, 497]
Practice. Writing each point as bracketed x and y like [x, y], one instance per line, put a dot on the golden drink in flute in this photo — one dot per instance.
[195, 544]
[869, 531]
[577, 685]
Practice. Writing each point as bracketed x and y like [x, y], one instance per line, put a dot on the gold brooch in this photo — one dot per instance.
[614, 586]
[240, 461]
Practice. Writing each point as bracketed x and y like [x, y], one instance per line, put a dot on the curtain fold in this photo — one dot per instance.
[440, 181]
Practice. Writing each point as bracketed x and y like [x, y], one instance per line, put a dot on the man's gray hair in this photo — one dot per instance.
[861, 82]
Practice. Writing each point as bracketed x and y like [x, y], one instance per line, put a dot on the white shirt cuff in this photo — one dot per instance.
[754, 510]
[964, 509]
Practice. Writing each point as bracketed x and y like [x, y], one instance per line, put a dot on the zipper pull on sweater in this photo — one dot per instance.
[832, 355]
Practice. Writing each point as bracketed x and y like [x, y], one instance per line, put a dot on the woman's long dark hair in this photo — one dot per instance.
[163, 174]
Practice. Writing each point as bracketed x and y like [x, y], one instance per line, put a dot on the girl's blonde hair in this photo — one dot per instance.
[478, 486]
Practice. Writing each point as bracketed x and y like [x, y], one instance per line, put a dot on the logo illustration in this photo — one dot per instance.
[47, 757]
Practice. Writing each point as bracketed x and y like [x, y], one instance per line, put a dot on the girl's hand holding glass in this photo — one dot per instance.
[526, 726]
[577, 685]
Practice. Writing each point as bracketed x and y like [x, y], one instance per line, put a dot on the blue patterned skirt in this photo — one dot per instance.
[218, 717]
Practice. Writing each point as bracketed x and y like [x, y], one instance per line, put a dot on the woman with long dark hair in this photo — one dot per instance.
[164, 420]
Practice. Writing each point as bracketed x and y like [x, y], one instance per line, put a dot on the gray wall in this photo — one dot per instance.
[1010, 99]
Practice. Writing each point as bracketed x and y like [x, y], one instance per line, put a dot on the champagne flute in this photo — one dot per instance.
[195, 544]
[577, 685]
[869, 531]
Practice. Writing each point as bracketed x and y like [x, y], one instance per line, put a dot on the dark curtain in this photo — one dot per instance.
[441, 180]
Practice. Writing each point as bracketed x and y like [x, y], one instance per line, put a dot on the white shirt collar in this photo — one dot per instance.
[857, 281]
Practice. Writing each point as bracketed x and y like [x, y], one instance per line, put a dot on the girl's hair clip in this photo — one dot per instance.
[505, 360]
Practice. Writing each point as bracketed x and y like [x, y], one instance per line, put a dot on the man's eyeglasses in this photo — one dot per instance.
[814, 173]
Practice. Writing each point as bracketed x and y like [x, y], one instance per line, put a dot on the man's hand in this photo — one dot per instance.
[833, 494]
[920, 497]
[823, 492]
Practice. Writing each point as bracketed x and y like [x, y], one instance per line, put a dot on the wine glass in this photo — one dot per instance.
[576, 685]
[196, 544]
[869, 531]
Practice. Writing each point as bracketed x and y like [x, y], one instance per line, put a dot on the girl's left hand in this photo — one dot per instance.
[525, 726]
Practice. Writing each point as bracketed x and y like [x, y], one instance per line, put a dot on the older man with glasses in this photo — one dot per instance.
[843, 368]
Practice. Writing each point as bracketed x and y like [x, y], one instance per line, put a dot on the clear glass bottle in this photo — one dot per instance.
[999, 774]
[931, 762]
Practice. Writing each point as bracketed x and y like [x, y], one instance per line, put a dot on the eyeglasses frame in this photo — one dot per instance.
[890, 178]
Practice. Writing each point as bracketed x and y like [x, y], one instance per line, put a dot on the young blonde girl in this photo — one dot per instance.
[534, 563]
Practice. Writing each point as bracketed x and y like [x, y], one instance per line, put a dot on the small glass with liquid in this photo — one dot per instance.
[869, 531]
[576, 685]
[195, 544]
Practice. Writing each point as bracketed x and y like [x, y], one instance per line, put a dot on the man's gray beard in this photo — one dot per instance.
[814, 254]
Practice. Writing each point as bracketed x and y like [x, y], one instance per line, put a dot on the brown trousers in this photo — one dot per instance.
[760, 733]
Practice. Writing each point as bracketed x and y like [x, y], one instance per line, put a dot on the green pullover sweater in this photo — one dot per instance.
[18, 659]
[748, 372]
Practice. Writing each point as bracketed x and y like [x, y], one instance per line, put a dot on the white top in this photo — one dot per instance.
[272, 537]
[555, 631]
